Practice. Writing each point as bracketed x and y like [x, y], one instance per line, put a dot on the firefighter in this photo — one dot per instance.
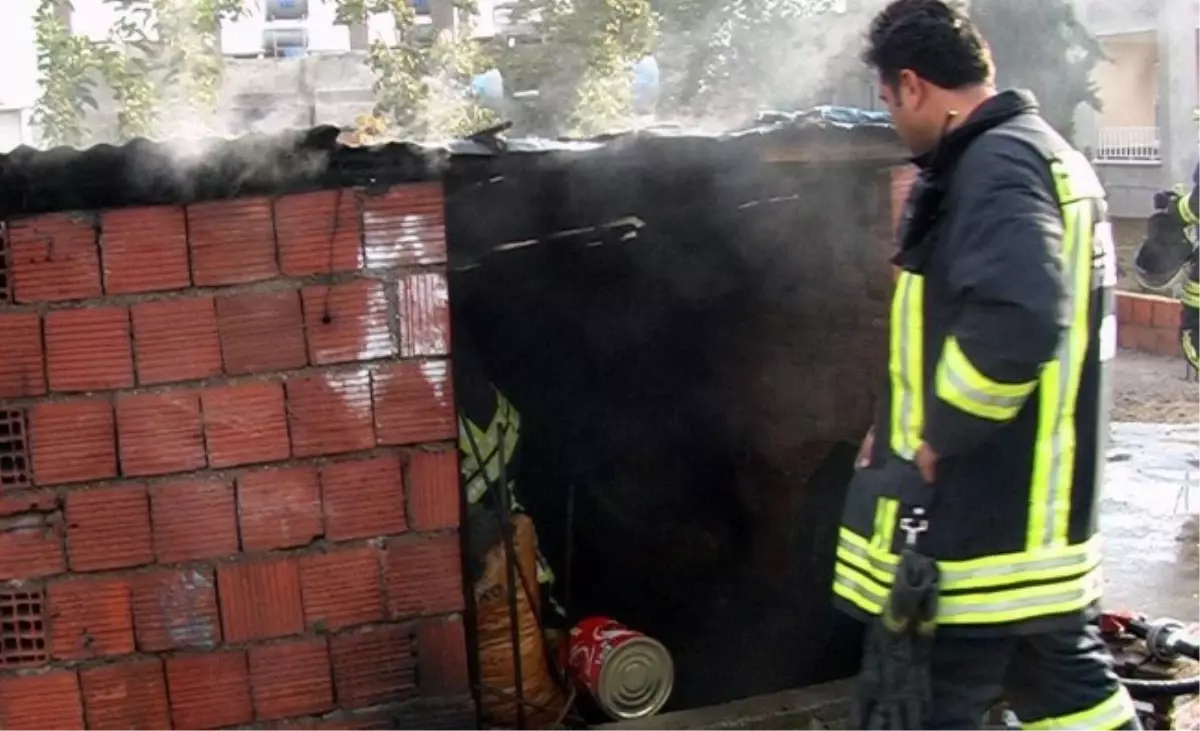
[489, 436]
[985, 456]
[1183, 210]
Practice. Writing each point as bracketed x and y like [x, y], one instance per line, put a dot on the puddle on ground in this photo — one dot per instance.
[1149, 515]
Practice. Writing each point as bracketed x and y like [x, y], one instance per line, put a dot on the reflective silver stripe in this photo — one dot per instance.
[980, 396]
[984, 607]
[869, 591]
[948, 611]
[951, 577]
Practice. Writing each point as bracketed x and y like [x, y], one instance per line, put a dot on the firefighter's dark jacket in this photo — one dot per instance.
[1000, 326]
[1187, 210]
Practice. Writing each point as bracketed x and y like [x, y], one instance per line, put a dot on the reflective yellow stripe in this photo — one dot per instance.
[506, 421]
[1191, 294]
[1111, 713]
[960, 384]
[886, 509]
[1189, 348]
[905, 361]
[1054, 447]
[1185, 211]
[991, 571]
[858, 589]
[989, 607]
[1016, 605]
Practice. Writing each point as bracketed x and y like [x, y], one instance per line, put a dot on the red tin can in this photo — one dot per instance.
[627, 673]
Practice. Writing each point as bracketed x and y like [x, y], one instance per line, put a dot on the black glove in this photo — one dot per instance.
[1164, 199]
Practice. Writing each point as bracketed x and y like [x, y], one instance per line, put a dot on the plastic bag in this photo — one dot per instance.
[497, 671]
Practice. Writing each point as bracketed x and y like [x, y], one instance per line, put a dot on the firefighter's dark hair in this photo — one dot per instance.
[935, 39]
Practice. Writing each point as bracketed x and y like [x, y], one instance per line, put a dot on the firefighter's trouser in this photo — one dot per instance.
[1055, 680]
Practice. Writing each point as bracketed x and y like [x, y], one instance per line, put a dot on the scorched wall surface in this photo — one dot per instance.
[228, 489]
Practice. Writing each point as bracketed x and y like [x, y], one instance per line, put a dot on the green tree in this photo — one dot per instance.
[736, 57]
[66, 74]
[450, 107]
[167, 53]
[583, 66]
[1042, 46]
[422, 86]
[125, 62]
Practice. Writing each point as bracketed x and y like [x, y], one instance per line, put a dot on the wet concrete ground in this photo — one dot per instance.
[1149, 517]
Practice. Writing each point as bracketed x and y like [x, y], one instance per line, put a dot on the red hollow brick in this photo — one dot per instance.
[279, 508]
[160, 433]
[210, 690]
[290, 679]
[347, 322]
[27, 501]
[374, 666]
[90, 618]
[108, 528]
[423, 575]
[260, 599]
[1124, 308]
[47, 701]
[32, 548]
[176, 340]
[194, 519]
[89, 349]
[442, 655]
[319, 233]
[21, 367]
[245, 424]
[175, 609]
[404, 226]
[434, 500]
[342, 589]
[1166, 314]
[72, 441]
[1143, 310]
[127, 695]
[144, 249]
[414, 402]
[261, 332]
[54, 258]
[363, 498]
[330, 413]
[232, 241]
[424, 314]
[1145, 339]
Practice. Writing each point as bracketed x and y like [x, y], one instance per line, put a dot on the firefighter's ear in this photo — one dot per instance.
[910, 89]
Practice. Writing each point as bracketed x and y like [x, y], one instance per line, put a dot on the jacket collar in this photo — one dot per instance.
[992, 113]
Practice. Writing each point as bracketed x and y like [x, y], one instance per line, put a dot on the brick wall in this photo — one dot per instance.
[228, 490]
[1148, 323]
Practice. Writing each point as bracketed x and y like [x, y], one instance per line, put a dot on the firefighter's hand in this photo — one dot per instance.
[1164, 198]
[864, 451]
[926, 461]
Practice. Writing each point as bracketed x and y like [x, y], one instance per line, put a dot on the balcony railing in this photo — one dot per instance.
[1127, 144]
